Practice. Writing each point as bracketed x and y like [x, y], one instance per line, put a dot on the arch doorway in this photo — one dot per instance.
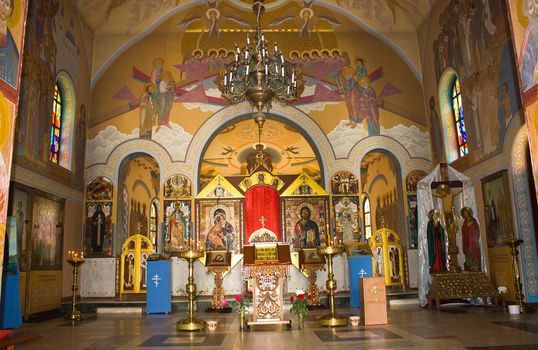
[382, 194]
[290, 149]
[138, 191]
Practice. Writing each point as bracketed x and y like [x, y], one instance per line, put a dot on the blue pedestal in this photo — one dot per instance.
[159, 292]
[358, 267]
[10, 306]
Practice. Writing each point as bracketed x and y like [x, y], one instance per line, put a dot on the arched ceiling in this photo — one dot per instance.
[117, 24]
[229, 149]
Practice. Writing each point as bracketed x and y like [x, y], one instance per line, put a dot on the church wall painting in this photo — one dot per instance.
[524, 25]
[177, 225]
[128, 90]
[305, 221]
[395, 259]
[47, 234]
[12, 26]
[11, 40]
[219, 224]
[411, 182]
[53, 47]
[99, 188]
[19, 210]
[344, 183]
[7, 120]
[177, 186]
[346, 218]
[498, 208]
[472, 38]
[98, 233]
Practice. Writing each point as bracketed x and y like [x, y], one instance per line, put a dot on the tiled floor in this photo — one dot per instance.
[410, 327]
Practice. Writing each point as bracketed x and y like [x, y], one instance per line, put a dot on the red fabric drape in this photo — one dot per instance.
[262, 200]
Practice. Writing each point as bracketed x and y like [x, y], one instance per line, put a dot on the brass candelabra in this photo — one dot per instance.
[513, 244]
[191, 323]
[332, 319]
[75, 259]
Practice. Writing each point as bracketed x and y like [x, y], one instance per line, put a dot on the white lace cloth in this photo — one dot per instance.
[426, 202]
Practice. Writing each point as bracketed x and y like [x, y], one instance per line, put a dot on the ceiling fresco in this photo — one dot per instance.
[229, 150]
[117, 24]
[132, 16]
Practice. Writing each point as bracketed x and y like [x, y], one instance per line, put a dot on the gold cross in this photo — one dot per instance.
[374, 291]
[262, 220]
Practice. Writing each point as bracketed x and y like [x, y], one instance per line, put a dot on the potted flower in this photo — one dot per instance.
[241, 305]
[299, 306]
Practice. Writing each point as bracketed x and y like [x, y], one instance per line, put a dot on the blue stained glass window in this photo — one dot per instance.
[459, 120]
[56, 128]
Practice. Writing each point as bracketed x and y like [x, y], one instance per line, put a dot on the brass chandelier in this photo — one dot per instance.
[260, 76]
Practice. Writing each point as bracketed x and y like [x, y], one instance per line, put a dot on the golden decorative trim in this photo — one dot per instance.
[254, 270]
[460, 285]
[298, 182]
[219, 181]
[218, 292]
[268, 296]
[310, 271]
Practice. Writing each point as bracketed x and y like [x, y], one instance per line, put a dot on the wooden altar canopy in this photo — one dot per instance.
[268, 265]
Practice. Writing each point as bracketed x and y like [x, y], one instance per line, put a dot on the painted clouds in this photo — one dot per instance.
[343, 139]
[174, 139]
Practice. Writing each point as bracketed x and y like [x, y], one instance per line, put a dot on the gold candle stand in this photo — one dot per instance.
[332, 319]
[75, 259]
[513, 244]
[191, 323]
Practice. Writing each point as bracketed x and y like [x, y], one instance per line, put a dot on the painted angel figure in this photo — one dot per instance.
[212, 20]
[306, 18]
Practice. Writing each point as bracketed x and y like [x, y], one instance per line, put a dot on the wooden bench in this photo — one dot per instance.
[9, 339]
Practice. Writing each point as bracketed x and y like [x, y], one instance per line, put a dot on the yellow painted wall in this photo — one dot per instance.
[384, 166]
[174, 47]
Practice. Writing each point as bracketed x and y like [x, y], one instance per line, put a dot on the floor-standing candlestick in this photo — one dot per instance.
[75, 259]
[513, 243]
[191, 323]
[332, 319]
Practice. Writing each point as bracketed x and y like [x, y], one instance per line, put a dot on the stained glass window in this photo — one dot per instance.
[367, 218]
[153, 226]
[457, 110]
[56, 129]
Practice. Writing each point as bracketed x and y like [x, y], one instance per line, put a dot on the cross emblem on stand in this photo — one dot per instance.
[156, 280]
[262, 220]
[374, 291]
[362, 273]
